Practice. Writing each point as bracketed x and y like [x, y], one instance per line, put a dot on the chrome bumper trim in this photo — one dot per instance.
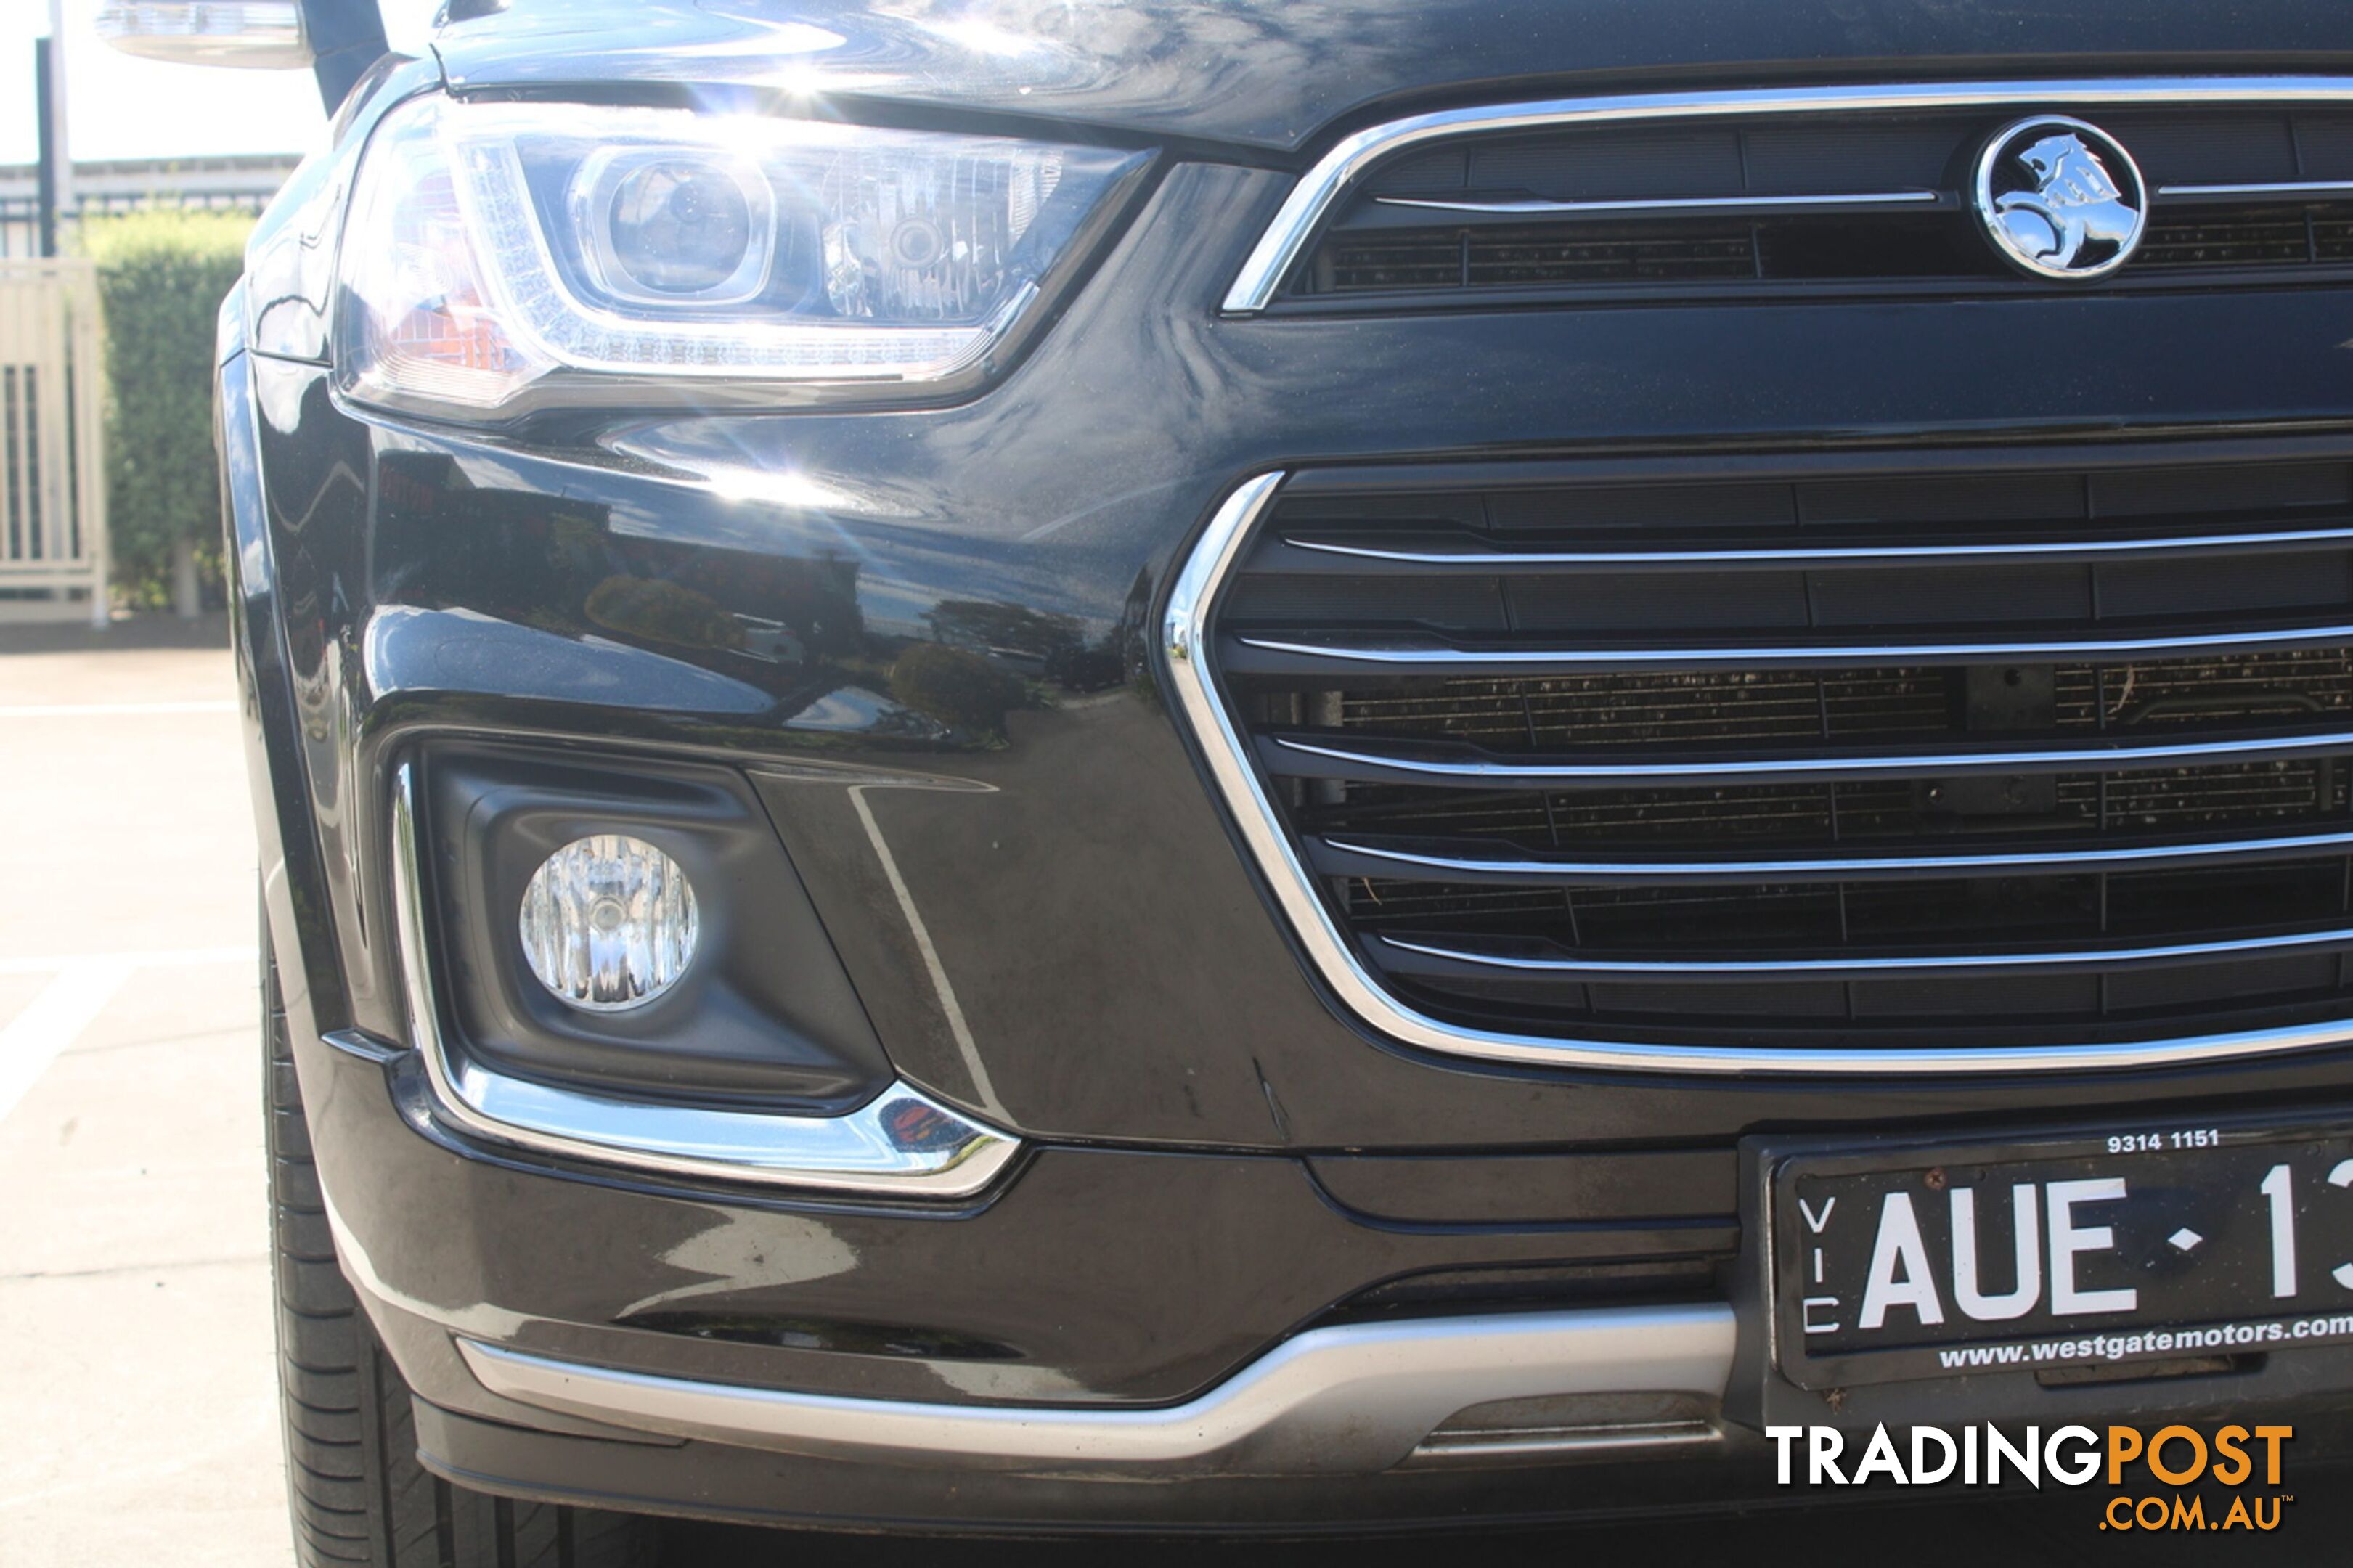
[901, 1144]
[1453, 1450]
[1352, 1400]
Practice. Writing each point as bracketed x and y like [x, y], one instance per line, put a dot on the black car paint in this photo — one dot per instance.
[400, 585]
[1074, 874]
[1270, 79]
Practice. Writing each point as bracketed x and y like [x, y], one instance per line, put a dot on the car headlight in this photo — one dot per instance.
[503, 257]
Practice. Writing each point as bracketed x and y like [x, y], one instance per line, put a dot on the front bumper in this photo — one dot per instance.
[1107, 1338]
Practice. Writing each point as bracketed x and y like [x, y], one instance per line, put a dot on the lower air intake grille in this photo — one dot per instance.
[1963, 765]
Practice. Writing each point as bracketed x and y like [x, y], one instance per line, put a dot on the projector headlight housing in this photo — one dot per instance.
[502, 258]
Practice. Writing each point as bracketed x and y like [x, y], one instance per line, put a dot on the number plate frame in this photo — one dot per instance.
[1778, 1260]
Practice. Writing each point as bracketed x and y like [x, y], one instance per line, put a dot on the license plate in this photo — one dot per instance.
[2164, 1241]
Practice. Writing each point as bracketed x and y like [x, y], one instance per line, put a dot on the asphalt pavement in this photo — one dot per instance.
[138, 1417]
[138, 1424]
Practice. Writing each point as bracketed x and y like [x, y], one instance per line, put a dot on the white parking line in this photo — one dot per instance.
[80, 986]
[152, 958]
[51, 1020]
[101, 709]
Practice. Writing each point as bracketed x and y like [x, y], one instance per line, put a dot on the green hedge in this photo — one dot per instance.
[160, 277]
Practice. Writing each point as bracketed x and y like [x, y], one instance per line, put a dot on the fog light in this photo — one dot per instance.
[609, 922]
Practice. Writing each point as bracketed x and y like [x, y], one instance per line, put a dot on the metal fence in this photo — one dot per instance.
[52, 483]
[53, 540]
[20, 216]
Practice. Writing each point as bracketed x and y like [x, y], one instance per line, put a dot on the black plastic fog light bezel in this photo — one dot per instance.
[763, 1016]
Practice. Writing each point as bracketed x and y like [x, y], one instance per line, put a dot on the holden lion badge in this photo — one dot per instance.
[2061, 199]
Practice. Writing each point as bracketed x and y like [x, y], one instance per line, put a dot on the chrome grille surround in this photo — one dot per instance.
[1189, 644]
[1320, 192]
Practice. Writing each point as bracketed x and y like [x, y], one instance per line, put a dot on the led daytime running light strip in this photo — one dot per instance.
[539, 309]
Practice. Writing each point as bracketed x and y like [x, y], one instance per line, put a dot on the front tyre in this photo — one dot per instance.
[352, 1483]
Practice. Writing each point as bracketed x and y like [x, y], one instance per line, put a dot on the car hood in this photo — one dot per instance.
[1278, 75]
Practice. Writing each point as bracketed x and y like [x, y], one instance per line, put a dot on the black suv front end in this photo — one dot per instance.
[1315, 799]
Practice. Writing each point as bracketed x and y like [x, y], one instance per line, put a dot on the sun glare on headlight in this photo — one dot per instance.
[500, 255]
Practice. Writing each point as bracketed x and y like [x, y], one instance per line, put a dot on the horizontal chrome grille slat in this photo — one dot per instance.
[1465, 767]
[2309, 189]
[1780, 966]
[1264, 654]
[1663, 203]
[1461, 862]
[1473, 558]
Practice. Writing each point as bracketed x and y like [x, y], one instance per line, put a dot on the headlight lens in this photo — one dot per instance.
[665, 226]
[502, 256]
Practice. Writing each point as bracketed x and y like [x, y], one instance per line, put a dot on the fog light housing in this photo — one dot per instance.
[609, 922]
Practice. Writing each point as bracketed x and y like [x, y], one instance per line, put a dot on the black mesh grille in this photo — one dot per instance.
[1960, 757]
[2261, 236]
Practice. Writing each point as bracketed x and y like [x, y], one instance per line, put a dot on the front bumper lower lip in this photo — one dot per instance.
[901, 1144]
[1354, 1399]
